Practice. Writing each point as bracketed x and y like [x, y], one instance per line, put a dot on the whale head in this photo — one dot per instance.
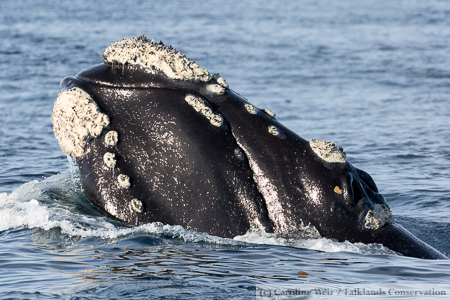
[157, 138]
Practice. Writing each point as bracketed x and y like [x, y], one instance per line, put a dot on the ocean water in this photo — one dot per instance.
[371, 76]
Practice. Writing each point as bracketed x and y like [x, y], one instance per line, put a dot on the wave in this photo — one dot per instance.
[58, 203]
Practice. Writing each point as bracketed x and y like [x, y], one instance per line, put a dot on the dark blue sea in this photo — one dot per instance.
[371, 76]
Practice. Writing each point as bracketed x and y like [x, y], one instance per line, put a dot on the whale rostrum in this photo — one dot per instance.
[157, 138]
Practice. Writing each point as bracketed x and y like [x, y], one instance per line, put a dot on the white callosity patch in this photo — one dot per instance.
[269, 112]
[215, 89]
[328, 151]
[124, 181]
[137, 205]
[378, 217]
[111, 138]
[76, 119]
[109, 159]
[274, 130]
[200, 106]
[220, 80]
[148, 54]
[250, 108]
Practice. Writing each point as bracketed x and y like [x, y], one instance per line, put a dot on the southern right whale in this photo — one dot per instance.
[157, 138]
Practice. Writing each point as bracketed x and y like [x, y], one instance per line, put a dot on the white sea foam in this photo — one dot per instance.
[22, 214]
[19, 209]
[320, 244]
[52, 204]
